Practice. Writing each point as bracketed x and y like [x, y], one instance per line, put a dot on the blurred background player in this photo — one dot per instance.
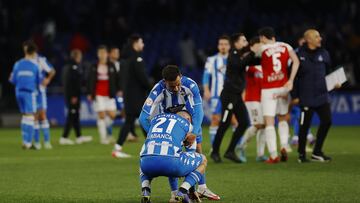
[254, 77]
[231, 99]
[72, 82]
[275, 88]
[114, 56]
[213, 82]
[135, 88]
[103, 85]
[162, 154]
[26, 79]
[177, 91]
[47, 72]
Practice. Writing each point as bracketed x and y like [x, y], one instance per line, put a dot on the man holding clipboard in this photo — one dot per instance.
[313, 93]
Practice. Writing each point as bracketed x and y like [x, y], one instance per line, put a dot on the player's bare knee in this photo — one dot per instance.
[101, 115]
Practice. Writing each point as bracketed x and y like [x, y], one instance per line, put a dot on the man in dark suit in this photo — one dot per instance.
[135, 88]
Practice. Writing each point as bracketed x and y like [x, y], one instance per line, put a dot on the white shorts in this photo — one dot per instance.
[272, 106]
[255, 112]
[103, 103]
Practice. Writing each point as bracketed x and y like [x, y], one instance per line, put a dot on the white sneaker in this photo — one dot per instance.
[207, 193]
[66, 141]
[120, 154]
[172, 197]
[37, 146]
[48, 145]
[83, 139]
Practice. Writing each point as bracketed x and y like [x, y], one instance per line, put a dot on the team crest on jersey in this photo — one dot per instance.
[148, 102]
[320, 58]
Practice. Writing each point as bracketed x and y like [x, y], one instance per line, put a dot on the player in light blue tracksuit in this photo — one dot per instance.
[162, 154]
[26, 79]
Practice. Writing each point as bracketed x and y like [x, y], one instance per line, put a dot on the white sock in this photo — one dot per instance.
[101, 124]
[310, 137]
[270, 136]
[212, 132]
[108, 121]
[249, 133]
[260, 142]
[283, 133]
[118, 147]
[202, 187]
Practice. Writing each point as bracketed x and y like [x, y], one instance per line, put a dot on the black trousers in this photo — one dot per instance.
[129, 126]
[324, 113]
[231, 104]
[72, 118]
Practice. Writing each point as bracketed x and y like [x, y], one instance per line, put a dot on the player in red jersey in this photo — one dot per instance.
[254, 77]
[275, 89]
[103, 85]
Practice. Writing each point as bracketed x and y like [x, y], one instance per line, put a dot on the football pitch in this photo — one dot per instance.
[88, 173]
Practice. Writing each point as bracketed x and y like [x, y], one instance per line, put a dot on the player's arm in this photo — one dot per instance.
[198, 114]
[12, 78]
[294, 69]
[50, 72]
[149, 107]
[206, 80]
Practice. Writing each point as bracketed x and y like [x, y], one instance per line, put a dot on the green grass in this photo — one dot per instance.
[88, 173]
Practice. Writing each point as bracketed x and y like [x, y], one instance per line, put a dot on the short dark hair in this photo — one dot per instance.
[254, 40]
[134, 38]
[267, 32]
[102, 46]
[224, 37]
[235, 37]
[30, 47]
[171, 72]
[113, 47]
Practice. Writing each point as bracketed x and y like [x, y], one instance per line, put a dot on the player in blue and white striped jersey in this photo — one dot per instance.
[180, 92]
[162, 154]
[47, 72]
[213, 82]
[26, 79]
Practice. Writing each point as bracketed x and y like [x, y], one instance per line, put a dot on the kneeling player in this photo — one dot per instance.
[162, 154]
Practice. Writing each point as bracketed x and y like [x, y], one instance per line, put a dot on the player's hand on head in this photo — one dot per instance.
[189, 139]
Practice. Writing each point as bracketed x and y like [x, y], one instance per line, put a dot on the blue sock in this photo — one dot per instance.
[36, 132]
[45, 127]
[173, 183]
[202, 179]
[191, 179]
[109, 130]
[27, 128]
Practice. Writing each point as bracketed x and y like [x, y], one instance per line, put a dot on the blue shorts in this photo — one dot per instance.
[41, 99]
[215, 105]
[154, 166]
[26, 101]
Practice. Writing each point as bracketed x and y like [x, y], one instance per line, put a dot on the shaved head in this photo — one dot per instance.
[312, 38]
[185, 114]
